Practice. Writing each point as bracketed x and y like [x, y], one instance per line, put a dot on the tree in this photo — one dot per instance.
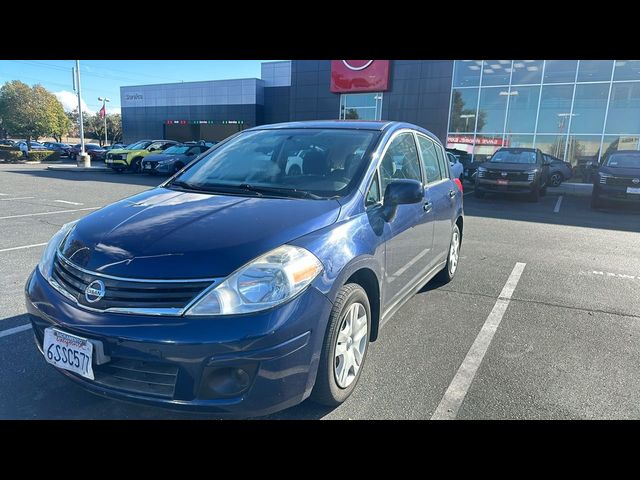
[31, 112]
[74, 118]
[94, 127]
[466, 123]
[62, 124]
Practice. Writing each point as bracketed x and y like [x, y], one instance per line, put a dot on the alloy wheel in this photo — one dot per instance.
[350, 345]
[454, 251]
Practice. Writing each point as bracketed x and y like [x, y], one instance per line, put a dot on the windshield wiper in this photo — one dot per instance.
[288, 192]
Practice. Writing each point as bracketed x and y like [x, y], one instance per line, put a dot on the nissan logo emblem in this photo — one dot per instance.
[356, 68]
[504, 174]
[94, 291]
[636, 180]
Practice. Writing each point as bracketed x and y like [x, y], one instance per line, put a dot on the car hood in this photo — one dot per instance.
[509, 167]
[621, 172]
[119, 150]
[168, 234]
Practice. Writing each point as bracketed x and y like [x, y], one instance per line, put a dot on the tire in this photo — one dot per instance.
[136, 165]
[331, 389]
[478, 193]
[534, 196]
[543, 191]
[449, 271]
[596, 202]
[556, 179]
[119, 169]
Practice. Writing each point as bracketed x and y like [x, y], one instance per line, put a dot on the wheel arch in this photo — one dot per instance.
[368, 280]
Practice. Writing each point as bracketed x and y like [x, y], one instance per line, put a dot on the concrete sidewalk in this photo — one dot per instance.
[73, 168]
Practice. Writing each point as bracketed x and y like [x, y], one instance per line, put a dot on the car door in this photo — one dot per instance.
[410, 233]
[442, 192]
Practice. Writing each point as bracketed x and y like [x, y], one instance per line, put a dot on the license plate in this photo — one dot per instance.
[502, 182]
[634, 190]
[108, 160]
[68, 352]
[147, 166]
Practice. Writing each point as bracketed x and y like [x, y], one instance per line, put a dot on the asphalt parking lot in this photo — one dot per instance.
[543, 315]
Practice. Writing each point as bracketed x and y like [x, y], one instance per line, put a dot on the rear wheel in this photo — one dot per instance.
[449, 271]
[345, 346]
[556, 179]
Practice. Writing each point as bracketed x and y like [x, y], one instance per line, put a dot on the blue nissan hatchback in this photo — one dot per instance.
[242, 285]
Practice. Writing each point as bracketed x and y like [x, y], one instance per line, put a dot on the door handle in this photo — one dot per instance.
[452, 193]
[427, 206]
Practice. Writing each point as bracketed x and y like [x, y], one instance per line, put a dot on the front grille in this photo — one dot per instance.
[123, 293]
[136, 376]
[620, 181]
[511, 176]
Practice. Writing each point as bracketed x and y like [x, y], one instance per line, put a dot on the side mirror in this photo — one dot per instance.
[546, 163]
[400, 192]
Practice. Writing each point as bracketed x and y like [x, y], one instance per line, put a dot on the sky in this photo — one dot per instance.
[100, 78]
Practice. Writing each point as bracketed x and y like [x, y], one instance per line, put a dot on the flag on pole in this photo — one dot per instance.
[102, 112]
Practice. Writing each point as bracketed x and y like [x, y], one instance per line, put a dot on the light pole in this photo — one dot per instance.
[85, 159]
[466, 117]
[104, 115]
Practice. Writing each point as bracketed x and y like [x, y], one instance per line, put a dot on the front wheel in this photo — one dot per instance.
[449, 271]
[345, 346]
[136, 165]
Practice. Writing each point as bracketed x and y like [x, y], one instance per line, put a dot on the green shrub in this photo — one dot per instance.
[34, 156]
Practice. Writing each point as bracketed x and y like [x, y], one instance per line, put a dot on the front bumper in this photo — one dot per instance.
[616, 193]
[490, 185]
[279, 351]
[115, 163]
[156, 167]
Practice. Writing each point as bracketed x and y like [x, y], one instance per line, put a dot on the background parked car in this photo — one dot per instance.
[172, 159]
[34, 145]
[617, 179]
[456, 167]
[7, 142]
[95, 151]
[63, 148]
[559, 171]
[130, 157]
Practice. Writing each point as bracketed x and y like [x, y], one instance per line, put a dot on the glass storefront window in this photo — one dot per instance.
[485, 146]
[582, 152]
[589, 107]
[526, 72]
[361, 106]
[553, 145]
[555, 109]
[560, 71]
[519, 141]
[496, 72]
[464, 102]
[493, 106]
[523, 105]
[466, 73]
[624, 109]
[626, 70]
[595, 70]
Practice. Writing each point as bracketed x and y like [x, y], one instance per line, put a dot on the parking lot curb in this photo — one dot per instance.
[69, 168]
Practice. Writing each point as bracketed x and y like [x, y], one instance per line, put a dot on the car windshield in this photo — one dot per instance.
[624, 160]
[138, 145]
[176, 150]
[289, 162]
[92, 146]
[156, 145]
[514, 156]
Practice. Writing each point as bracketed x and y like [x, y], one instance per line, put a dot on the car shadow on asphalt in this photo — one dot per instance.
[573, 210]
[107, 177]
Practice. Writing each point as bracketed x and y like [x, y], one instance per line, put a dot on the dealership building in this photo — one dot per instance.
[575, 110]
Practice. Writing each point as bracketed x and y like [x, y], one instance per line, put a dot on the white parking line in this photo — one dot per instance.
[454, 396]
[21, 247]
[70, 203]
[49, 213]
[11, 331]
[558, 203]
[17, 198]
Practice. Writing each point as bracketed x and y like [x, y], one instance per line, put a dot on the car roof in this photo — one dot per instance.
[626, 152]
[518, 149]
[378, 125]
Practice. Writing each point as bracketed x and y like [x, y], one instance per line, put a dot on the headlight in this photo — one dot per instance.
[265, 282]
[604, 175]
[48, 256]
[534, 171]
[482, 169]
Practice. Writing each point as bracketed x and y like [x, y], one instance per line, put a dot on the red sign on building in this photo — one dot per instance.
[359, 75]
